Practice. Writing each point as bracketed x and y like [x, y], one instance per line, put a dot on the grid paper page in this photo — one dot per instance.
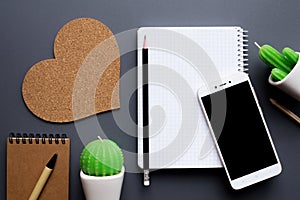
[181, 60]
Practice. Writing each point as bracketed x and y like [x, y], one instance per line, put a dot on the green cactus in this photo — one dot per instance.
[290, 55]
[278, 74]
[101, 158]
[282, 64]
[273, 58]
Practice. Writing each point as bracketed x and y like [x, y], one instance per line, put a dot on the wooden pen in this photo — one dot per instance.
[43, 178]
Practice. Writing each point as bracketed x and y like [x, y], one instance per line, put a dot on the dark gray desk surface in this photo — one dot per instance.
[27, 32]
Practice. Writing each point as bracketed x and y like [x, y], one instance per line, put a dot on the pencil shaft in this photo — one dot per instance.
[286, 111]
[145, 88]
[289, 113]
[145, 102]
[40, 184]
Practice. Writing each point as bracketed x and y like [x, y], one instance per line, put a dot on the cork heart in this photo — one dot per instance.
[81, 80]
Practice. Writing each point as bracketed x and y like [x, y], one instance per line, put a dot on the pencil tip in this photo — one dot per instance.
[272, 100]
[52, 161]
[145, 42]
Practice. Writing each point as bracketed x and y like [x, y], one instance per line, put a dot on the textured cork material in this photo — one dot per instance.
[82, 79]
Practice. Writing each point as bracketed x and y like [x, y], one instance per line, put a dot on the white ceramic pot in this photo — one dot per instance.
[291, 83]
[102, 187]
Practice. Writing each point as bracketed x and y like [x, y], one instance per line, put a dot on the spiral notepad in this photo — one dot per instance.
[27, 155]
[180, 61]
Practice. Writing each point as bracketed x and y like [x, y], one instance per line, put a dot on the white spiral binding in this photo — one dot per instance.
[242, 49]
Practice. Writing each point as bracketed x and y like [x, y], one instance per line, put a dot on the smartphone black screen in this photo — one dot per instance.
[243, 141]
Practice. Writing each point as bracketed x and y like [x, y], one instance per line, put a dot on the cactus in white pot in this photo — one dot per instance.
[102, 170]
[285, 69]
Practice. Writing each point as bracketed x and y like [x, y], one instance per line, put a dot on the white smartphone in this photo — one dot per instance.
[240, 132]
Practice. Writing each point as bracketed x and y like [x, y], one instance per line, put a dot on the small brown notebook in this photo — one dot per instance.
[27, 156]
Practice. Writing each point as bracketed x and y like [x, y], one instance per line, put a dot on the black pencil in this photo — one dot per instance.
[145, 114]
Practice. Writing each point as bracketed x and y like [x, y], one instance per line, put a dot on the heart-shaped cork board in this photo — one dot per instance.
[81, 80]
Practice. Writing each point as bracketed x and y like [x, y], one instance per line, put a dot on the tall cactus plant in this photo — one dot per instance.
[281, 64]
